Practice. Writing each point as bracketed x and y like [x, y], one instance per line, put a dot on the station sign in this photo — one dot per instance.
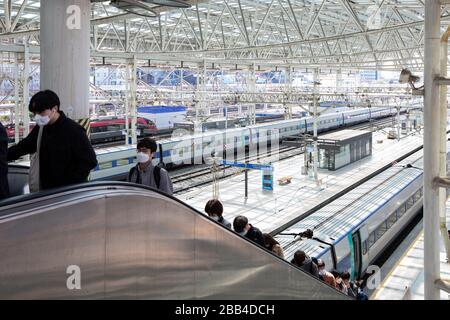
[252, 166]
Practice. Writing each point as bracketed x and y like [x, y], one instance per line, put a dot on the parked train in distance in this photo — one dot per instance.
[164, 117]
[181, 147]
[104, 130]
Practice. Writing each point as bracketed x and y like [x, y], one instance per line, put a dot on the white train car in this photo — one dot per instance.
[189, 149]
[352, 232]
[164, 117]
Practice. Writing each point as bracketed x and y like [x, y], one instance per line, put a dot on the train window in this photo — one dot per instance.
[417, 196]
[410, 202]
[371, 240]
[401, 210]
[392, 219]
[365, 248]
[381, 230]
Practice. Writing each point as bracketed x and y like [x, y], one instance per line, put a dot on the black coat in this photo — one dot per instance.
[4, 188]
[255, 235]
[66, 156]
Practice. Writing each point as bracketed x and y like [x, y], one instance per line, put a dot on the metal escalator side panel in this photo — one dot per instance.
[140, 245]
[17, 180]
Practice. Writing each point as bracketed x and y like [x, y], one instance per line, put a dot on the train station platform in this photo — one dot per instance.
[271, 210]
[403, 272]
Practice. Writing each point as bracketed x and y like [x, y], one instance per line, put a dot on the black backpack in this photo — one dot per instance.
[156, 175]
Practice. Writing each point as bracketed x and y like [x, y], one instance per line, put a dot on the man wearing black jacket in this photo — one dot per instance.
[241, 226]
[65, 155]
[4, 188]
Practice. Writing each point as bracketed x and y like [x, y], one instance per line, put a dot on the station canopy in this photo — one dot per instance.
[378, 34]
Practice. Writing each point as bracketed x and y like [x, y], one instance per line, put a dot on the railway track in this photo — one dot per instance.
[186, 182]
[191, 179]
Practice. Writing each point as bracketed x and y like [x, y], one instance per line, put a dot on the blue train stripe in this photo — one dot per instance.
[161, 109]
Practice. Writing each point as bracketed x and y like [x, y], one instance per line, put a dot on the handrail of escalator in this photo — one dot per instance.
[78, 187]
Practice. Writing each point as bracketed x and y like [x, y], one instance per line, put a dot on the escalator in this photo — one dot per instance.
[131, 242]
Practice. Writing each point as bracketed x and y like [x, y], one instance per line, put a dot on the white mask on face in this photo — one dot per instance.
[41, 120]
[215, 218]
[142, 157]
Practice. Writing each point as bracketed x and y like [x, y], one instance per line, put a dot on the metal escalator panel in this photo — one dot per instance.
[18, 180]
[132, 243]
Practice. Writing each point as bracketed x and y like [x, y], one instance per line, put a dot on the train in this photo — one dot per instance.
[164, 117]
[354, 232]
[105, 129]
[185, 149]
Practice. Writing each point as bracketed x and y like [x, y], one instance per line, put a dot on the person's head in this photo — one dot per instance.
[345, 277]
[269, 241]
[214, 209]
[299, 257]
[337, 276]
[320, 264]
[146, 148]
[240, 225]
[45, 107]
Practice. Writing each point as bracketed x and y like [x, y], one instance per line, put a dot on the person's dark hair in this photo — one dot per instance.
[336, 274]
[345, 275]
[269, 241]
[239, 223]
[43, 100]
[320, 263]
[147, 143]
[214, 207]
[299, 257]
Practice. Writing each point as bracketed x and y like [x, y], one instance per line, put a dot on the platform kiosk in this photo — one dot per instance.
[341, 148]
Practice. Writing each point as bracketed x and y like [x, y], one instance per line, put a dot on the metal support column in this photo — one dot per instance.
[65, 54]
[17, 106]
[199, 104]
[431, 149]
[339, 80]
[131, 78]
[252, 89]
[315, 118]
[443, 142]
[26, 89]
[288, 91]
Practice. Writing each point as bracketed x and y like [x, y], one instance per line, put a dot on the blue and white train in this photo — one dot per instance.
[352, 232]
[187, 148]
[164, 117]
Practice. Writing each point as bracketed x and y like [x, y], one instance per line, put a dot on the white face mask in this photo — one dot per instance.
[41, 120]
[215, 218]
[142, 157]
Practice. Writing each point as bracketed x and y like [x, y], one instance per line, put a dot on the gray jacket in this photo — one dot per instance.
[310, 267]
[147, 178]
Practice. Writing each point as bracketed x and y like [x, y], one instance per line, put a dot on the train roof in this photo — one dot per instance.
[337, 219]
[161, 109]
[256, 126]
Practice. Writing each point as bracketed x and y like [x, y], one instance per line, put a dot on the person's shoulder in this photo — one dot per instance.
[2, 129]
[163, 171]
[73, 124]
